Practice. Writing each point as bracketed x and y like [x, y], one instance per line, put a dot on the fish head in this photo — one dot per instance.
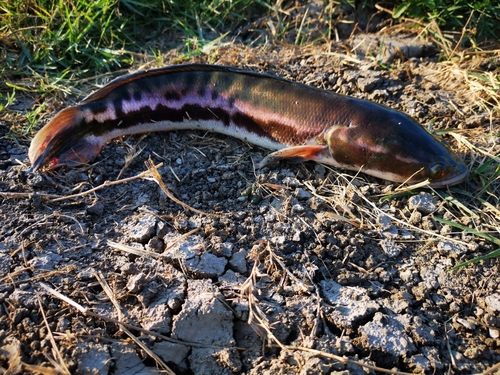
[390, 145]
[64, 141]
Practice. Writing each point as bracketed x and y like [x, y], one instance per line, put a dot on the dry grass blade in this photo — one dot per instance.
[130, 156]
[40, 276]
[146, 253]
[41, 369]
[62, 297]
[62, 369]
[408, 225]
[133, 250]
[105, 184]
[346, 360]
[247, 291]
[275, 258]
[493, 370]
[13, 353]
[27, 195]
[153, 170]
[105, 286]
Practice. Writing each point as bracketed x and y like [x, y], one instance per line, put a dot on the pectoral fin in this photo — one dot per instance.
[296, 153]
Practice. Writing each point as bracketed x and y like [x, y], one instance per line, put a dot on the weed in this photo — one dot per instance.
[8, 101]
[85, 38]
[479, 18]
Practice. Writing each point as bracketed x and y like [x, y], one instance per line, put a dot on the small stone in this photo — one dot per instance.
[302, 194]
[238, 261]
[423, 202]
[469, 325]
[96, 209]
[210, 265]
[419, 363]
[155, 244]
[125, 361]
[494, 333]
[493, 302]
[92, 358]
[205, 319]
[225, 249]
[388, 335]
[298, 208]
[136, 282]
[297, 237]
[384, 221]
[143, 229]
[450, 248]
[350, 304]
[368, 84]
[158, 318]
[5, 264]
[390, 248]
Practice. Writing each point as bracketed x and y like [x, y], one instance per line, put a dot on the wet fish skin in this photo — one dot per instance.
[298, 121]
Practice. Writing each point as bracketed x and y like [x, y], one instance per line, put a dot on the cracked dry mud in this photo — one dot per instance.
[308, 256]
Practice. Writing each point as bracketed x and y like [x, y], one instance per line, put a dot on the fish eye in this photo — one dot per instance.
[437, 171]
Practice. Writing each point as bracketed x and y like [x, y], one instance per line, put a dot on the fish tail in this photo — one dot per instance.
[61, 137]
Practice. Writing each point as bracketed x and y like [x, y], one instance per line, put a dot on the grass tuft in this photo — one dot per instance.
[85, 38]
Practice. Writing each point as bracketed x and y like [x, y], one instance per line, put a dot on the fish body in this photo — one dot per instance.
[295, 120]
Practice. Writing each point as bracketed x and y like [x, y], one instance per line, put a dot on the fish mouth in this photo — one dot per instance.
[460, 174]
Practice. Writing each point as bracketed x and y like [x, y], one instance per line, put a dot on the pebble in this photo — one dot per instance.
[238, 261]
[388, 335]
[494, 333]
[384, 221]
[126, 361]
[157, 318]
[155, 244]
[469, 325]
[96, 209]
[5, 264]
[367, 84]
[420, 363]
[225, 249]
[302, 194]
[424, 203]
[136, 282]
[351, 304]
[493, 302]
[390, 248]
[450, 248]
[206, 265]
[193, 254]
[143, 229]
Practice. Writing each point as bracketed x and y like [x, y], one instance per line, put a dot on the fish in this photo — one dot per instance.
[294, 120]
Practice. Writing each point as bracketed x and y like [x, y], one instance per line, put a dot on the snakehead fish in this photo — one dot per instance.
[298, 121]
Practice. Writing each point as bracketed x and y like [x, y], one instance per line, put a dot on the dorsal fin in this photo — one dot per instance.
[120, 81]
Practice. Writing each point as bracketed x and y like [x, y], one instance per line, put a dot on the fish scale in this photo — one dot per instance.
[295, 120]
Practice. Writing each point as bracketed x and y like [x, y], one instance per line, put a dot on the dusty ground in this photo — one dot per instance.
[289, 265]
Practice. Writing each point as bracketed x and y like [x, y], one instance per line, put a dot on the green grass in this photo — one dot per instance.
[82, 38]
[478, 20]
[86, 37]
